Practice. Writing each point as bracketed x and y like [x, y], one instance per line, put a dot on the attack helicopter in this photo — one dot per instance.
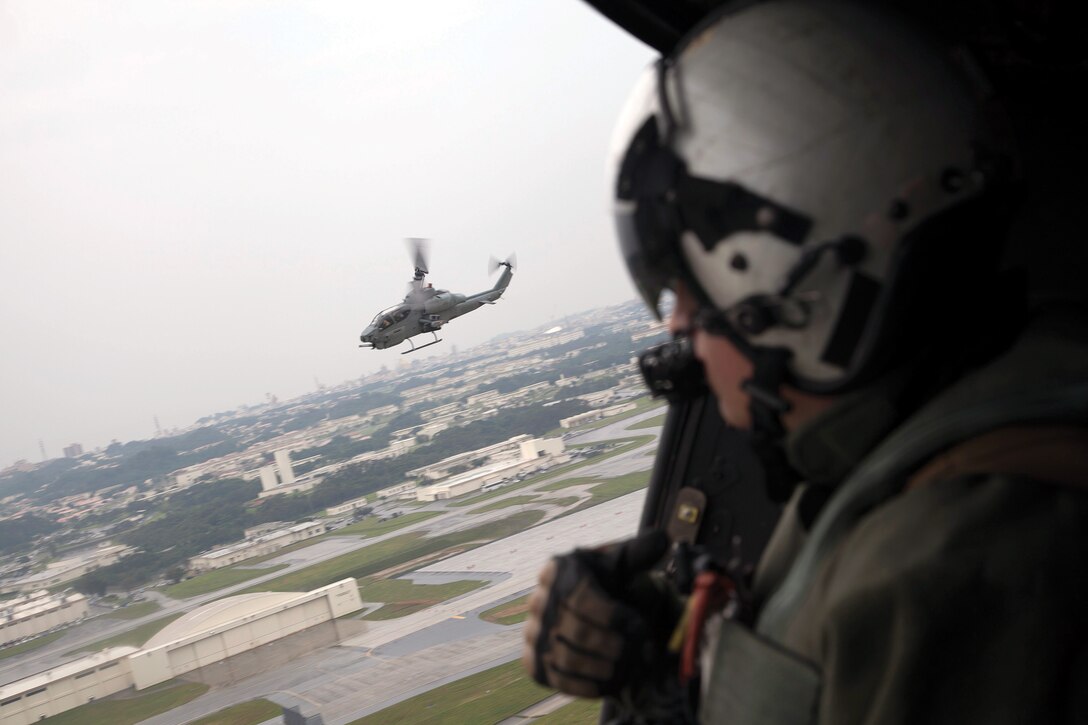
[426, 309]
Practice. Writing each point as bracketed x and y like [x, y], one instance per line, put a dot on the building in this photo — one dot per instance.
[254, 531]
[469, 481]
[283, 467]
[279, 478]
[592, 415]
[195, 644]
[506, 450]
[279, 473]
[532, 454]
[550, 338]
[540, 447]
[384, 410]
[400, 490]
[269, 480]
[347, 507]
[73, 451]
[39, 612]
[66, 570]
[67, 686]
[259, 545]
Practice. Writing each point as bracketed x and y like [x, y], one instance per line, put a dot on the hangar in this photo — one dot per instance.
[201, 639]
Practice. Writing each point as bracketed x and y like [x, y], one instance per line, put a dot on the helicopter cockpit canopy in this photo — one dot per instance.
[385, 318]
[382, 320]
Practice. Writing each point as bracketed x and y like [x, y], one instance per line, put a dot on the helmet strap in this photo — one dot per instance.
[767, 436]
[766, 406]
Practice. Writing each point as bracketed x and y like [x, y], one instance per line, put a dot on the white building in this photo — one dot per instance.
[202, 638]
[279, 478]
[67, 686]
[533, 454]
[548, 339]
[265, 543]
[346, 507]
[39, 612]
[400, 490]
[279, 473]
[506, 450]
[66, 570]
[592, 415]
[269, 480]
[283, 467]
[540, 447]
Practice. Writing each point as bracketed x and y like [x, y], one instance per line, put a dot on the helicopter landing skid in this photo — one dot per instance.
[415, 347]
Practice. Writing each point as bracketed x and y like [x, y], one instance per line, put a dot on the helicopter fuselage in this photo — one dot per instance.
[426, 310]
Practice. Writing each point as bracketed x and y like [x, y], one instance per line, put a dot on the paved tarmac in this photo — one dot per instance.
[396, 659]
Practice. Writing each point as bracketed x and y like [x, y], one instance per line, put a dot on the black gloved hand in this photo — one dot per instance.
[598, 621]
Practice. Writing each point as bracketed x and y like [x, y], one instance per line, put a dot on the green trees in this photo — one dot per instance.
[18, 534]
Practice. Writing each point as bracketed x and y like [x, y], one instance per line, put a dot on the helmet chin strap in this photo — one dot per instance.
[765, 407]
[765, 404]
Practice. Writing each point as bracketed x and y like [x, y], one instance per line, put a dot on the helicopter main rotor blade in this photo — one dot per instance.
[417, 249]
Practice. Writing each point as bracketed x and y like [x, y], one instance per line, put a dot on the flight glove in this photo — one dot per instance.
[599, 621]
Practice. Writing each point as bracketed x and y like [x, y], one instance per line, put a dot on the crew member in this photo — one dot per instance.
[835, 196]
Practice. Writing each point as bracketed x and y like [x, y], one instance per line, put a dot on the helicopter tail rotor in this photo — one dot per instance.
[510, 263]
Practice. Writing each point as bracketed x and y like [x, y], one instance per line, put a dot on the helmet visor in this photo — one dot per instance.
[649, 265]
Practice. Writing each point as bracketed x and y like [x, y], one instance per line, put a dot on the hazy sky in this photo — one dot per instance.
[205, 202]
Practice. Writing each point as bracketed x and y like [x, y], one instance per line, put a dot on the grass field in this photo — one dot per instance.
[217, 579]
[657, 420]
[393, 552]
[626, 444]
[506, 502]
[614, 488]
[579, 712]
[568, 482]
[245, 713]
[564, 501]
[30, 645]
[512, 612]
[133, 611]
[486, 697]
[128, 710]
[367, 527]
[135, 637]
[372, 527]
[494, 494]
[402, 597]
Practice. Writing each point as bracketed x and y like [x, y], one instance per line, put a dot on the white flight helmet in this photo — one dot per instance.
[782, 162]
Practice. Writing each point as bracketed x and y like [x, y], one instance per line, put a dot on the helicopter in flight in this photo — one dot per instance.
[426, 309]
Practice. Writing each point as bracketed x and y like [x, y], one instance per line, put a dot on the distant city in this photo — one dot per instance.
[291, 446]
[177, 523]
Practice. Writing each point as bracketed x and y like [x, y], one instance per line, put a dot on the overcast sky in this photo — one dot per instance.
[205, 202]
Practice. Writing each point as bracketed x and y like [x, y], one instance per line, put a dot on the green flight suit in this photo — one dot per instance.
[950, 593]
